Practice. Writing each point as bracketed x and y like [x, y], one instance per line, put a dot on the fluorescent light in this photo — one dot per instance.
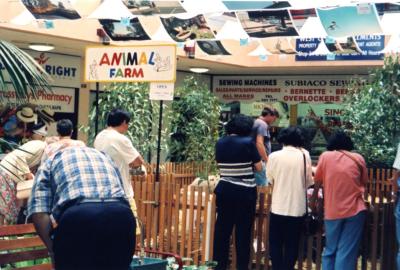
[198, 70]
[41, 47]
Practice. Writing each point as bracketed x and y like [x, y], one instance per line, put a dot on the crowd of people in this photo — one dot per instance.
[82, 202]
[244, 157]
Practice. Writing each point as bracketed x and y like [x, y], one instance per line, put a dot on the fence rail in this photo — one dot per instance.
[180, 218]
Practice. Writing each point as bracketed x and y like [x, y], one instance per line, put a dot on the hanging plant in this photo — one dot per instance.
[372, 110]
[26, 76]
[194, 123]
[143, 126]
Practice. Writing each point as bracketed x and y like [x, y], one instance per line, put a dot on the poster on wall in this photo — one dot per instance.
[254, 109]
[287, 89]
[362, 47]
[146, 63]
[320, 121]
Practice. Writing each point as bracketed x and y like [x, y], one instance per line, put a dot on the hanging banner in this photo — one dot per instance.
[270, 89]
[362, 47]
[145, 63]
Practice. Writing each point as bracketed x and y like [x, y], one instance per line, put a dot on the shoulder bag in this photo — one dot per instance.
[312, 224]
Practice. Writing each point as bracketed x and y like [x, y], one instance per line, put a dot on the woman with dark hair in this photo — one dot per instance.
[289, 171]
[343, 175]
[236, 192]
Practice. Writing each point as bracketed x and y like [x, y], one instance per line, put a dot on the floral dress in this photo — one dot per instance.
[8, 198]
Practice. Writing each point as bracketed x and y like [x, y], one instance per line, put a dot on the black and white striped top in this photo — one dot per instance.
[236, 157]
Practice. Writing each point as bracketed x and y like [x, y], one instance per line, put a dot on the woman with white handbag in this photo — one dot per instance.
[15, 174]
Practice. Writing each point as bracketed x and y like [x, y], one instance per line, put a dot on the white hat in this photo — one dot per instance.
[41, 130]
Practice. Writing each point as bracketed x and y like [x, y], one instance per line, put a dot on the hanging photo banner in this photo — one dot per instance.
[270, 89]
[212, 47]
[139, 7]
[363, 47]
[346, 21]
[50, 10]
[267, 23]
[255, 5]
[146, 63]
[132, 30]
[181, 30]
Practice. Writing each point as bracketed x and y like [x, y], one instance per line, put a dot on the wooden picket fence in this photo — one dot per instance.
[179, 218]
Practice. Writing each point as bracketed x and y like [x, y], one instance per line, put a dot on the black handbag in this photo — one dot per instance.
[312, 223]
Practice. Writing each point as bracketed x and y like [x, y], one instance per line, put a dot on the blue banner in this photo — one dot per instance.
[362, 47]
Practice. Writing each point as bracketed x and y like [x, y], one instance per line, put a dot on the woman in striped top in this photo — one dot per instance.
[236, 192]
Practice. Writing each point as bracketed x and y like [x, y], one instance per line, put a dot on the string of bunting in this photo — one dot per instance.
[307, 29]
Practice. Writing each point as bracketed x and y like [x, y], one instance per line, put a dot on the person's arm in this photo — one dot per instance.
[261, 147]
[258, 166]
[138, 161]
[42, 223]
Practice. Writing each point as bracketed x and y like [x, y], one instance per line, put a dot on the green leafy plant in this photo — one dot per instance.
[194, 124]
[134, 98]
[26, 76]
[372, 110]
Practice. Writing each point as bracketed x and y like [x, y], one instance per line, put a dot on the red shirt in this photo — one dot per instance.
[343, 183]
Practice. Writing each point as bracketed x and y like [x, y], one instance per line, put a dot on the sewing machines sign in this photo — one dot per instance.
[146, 63]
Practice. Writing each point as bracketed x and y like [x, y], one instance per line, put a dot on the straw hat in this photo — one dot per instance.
[26, 115]
[46, 114]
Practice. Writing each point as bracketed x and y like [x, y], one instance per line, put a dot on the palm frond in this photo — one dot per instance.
[26, 76]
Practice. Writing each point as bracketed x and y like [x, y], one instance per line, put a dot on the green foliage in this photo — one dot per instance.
[194, 123]
[372, 109]
[26, 76]
[134, 98]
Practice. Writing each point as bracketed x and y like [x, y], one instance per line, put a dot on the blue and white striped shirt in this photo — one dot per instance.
[74, 173]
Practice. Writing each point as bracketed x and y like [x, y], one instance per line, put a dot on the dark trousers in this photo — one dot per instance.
[238, 213]
[284, 237]
[95, 236]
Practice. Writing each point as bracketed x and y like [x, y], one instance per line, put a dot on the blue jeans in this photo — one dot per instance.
[342, 242]
[397, 216]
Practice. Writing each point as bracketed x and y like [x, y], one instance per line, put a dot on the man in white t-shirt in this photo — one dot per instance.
[114, 143]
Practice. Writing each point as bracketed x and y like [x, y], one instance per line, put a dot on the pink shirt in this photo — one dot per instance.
[343, 183]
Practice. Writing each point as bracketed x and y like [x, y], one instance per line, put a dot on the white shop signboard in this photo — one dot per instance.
[65, 70]
[288, 89]
[145, 63]
[60, 100]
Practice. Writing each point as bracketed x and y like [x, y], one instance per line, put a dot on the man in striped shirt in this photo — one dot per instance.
[81, 188]
[236, 192]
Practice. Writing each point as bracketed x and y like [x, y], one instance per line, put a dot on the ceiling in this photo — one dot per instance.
[278, 65]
